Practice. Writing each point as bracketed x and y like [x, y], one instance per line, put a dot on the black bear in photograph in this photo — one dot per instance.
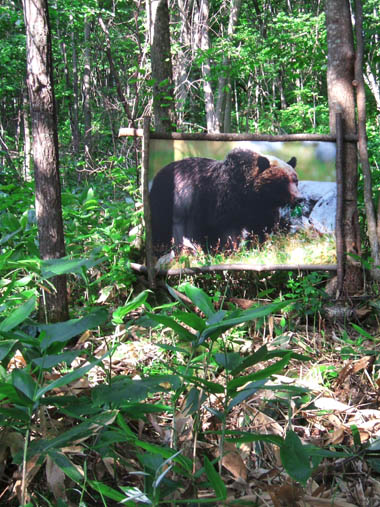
[212, 203]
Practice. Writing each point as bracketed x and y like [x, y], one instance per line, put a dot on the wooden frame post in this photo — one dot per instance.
[146, 205]
[339, 205]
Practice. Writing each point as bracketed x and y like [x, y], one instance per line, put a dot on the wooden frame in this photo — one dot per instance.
[339, 139]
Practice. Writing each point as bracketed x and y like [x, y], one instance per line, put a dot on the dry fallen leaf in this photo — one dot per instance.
[331, 404]
[32, 467]
[286, 494]
[55, 480]
[336, 437]
[233, 462]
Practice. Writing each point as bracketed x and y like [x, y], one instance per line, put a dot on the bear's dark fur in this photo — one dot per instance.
[212, 203]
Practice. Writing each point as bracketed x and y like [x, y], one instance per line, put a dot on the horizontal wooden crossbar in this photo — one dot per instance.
[236, 267]
[124, 132]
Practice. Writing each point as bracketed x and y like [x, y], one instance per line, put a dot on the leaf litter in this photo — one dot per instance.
[338, 411]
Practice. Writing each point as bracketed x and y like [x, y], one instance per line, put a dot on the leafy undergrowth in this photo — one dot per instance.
[189, 403]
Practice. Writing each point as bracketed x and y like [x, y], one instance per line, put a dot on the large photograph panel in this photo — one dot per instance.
[254, 202]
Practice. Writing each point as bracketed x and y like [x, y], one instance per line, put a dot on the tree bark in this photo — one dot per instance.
[45, 151]
[161, 62]
[373, 85]
[182, 62]
[204, 45]
[362, 140]
[27, 172]
[340, 75]
[223, 104]
[75, 121]
[87, 117]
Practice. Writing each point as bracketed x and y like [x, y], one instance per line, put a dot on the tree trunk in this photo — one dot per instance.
[45, 151]
[362, 141]
[223, 105]
[75, 120]
[114, 72]
[373, 85]
[183, 58]
[340, 74]
[27, 172]
[87, 117]
[161, 61]
[204, 45]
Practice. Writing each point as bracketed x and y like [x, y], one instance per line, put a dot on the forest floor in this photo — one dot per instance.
[340, 413]
[330, 401]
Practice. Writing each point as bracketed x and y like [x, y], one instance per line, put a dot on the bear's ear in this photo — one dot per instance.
[262, 163]
[292, 162]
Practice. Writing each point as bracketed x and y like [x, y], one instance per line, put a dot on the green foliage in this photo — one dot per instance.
[306, 291]
[276, 71]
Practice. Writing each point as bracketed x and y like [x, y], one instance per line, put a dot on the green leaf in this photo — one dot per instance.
[259, 375]
[194, 400]
[9, 392]
[6, 346]
[208, 385]
[246, 316]
[215, 480]
[190, 319]
[200, 299]
[295, 458]
[247, 392]
[119, 314]
[87, 429]
[253, 437]
[228, 360]
[134, 495]
[67, 467]
[166, 453]
[19, 315]
[24, 383]
[256, 357]
[172, 348]
[107, 491]
[54, 267]
[13, 414]
[362, 331]
[124, 389]
[69, 377]
[182, 332]
[63, 331]
[49, 361]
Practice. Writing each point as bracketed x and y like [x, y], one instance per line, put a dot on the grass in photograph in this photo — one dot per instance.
[300, 248]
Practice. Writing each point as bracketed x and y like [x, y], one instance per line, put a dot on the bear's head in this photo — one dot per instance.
[277, 181]
[244, 165]
[272, 179]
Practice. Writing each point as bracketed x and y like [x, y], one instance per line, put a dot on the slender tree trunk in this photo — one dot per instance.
[161, 61]
[373, 85]
[223, 104]
[75, 116]
[27, 170]
[114, 72]
[340, 75]
[71, 97]
[87, 117]
[7, 156]
[45, 150]
[183, 58]
[204, 45]
[362, 141]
